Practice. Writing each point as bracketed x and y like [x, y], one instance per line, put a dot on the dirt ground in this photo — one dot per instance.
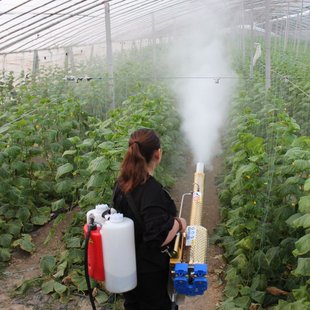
[24, 266]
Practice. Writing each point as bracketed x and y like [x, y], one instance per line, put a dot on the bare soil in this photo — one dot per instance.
[24, 266]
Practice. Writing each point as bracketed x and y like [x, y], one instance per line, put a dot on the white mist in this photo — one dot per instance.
[203, 83]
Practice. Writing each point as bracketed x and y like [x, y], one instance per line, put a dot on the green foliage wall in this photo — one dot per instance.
[265, 194]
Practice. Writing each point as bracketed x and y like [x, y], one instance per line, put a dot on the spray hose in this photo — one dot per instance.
[91, 226]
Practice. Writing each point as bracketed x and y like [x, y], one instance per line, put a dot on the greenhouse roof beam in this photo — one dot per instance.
[25, 13]
[32, 45]
[47, 27]
[42, 19]
[15, 7]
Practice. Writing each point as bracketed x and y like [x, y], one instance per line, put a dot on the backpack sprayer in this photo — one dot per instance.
[188, 263]
[110, 249]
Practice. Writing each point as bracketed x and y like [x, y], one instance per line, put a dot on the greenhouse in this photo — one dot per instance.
[225, 88]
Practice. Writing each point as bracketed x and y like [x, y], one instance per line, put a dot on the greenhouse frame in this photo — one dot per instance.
[224, 84]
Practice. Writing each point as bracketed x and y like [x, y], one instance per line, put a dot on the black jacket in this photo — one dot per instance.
[157, 211]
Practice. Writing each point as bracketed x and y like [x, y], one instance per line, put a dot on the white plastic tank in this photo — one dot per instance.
[119, 254]
[96, 214]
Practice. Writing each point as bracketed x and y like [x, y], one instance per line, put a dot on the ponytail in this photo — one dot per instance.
[142, 145]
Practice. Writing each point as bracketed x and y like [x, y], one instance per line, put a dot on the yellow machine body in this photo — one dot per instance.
[188, 262]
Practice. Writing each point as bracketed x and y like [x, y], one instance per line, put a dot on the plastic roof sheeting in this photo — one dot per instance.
[27, 25]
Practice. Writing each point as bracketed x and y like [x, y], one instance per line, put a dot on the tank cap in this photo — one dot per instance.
[116, 218]
[102, 207]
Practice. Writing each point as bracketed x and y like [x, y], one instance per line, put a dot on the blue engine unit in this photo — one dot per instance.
[190, 280]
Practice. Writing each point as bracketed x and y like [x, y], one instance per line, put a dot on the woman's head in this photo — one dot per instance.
[142, 154]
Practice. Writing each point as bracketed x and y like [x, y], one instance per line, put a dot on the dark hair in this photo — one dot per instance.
[141, 147]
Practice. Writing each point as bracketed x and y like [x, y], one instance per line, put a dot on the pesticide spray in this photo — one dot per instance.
[203, 85]
[200, 60]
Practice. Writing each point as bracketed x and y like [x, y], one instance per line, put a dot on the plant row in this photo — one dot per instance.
[265, 195]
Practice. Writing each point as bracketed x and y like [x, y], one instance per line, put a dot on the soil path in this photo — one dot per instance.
[23, 266]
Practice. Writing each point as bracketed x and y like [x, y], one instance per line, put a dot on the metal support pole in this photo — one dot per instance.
[243, 35]
[300, 27]
[71, 57]
[109, 53]
[267, 45]
[252, 43]
[154, 46]
[35, 64]
[286, 26]
[307, 39]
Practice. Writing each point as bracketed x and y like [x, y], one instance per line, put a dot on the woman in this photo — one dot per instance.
[139, 196]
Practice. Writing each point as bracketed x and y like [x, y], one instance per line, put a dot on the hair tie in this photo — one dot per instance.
[136, 142]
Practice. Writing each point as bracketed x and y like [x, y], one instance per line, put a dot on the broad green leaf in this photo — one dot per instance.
[231, 290]
[99, 164]
[14, 227]
[307, 185]
[23, 214]
[4, 128]
[87, 143]
[303, 267]
[96, 180]
[246, 169]
[58, 205]
[301, 293]
[107, 145]
[69, 152]
[246, 243]
[13, 151]
[79, 281]
[302, 245]
[59, 288]
[64, 169]
[271, 254]
[258, 296]
[48, 287]
[292, 218]
[74, 140]
[64, 186]
[243, 302]
[5, 240]
[26, 285]
[76, 256]
[295, 153]
[47, 264]
[26, 245]
[256, 145]
[73, 242]
[5, 254]
[302, 221]
[61, 268]
[240, 262]
[304, 204]
[101, 297]
[301, 165]
[40, 219]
